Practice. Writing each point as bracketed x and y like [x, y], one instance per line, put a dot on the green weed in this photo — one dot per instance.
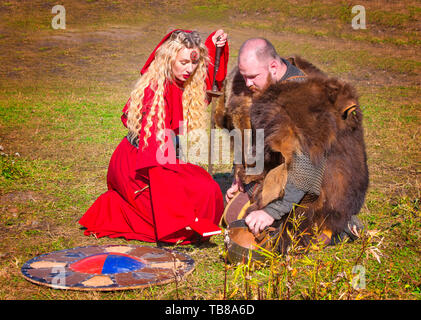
[13, 168]
[314, 272]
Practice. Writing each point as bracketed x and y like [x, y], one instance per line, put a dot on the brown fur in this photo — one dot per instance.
[273, 185]
[233, 110]
[233, 107]
[305, 66]
[312, 116]
[319, 116]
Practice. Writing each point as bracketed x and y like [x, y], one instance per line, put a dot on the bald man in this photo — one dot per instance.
[261, 66]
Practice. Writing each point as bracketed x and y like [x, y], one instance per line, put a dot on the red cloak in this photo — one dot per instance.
[150, 201]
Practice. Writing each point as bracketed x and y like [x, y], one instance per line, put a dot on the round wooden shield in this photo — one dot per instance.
[235, 209]
[108, 267]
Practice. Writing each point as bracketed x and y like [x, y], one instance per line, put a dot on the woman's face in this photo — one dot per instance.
[185, 63]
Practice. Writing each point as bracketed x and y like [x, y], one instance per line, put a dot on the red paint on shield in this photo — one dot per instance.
[91, 264]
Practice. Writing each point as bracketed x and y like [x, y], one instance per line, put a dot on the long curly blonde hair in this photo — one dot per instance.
[157, 75]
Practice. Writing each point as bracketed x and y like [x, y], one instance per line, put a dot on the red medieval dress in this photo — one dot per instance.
[150, 201]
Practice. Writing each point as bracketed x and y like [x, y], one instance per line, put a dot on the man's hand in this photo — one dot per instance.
[236, 186]
[258, 220]
[222, 38]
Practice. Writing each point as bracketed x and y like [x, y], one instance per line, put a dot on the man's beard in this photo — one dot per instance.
[256, 91]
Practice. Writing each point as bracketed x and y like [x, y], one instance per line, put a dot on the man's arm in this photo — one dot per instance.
[280, 207]
[303, 177]
[260, 219]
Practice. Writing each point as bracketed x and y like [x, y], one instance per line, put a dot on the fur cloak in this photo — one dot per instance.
[319, 117]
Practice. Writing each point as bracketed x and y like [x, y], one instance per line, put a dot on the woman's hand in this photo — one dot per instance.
[222, 38]
[236, 186]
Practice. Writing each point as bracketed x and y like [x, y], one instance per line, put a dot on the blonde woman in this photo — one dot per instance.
[149, 199]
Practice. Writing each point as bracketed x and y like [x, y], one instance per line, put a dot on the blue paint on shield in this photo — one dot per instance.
[120, 264]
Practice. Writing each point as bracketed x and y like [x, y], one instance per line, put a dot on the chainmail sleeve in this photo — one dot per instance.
[303, 177]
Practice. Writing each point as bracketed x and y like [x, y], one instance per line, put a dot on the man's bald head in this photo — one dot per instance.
[259, 64]
[258, 48]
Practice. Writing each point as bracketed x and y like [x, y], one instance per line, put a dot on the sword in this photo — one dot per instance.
[214, 93]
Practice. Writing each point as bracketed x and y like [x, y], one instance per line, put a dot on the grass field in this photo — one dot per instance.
[61, 95]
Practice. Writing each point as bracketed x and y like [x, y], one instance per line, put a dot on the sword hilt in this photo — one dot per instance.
[217, 62]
